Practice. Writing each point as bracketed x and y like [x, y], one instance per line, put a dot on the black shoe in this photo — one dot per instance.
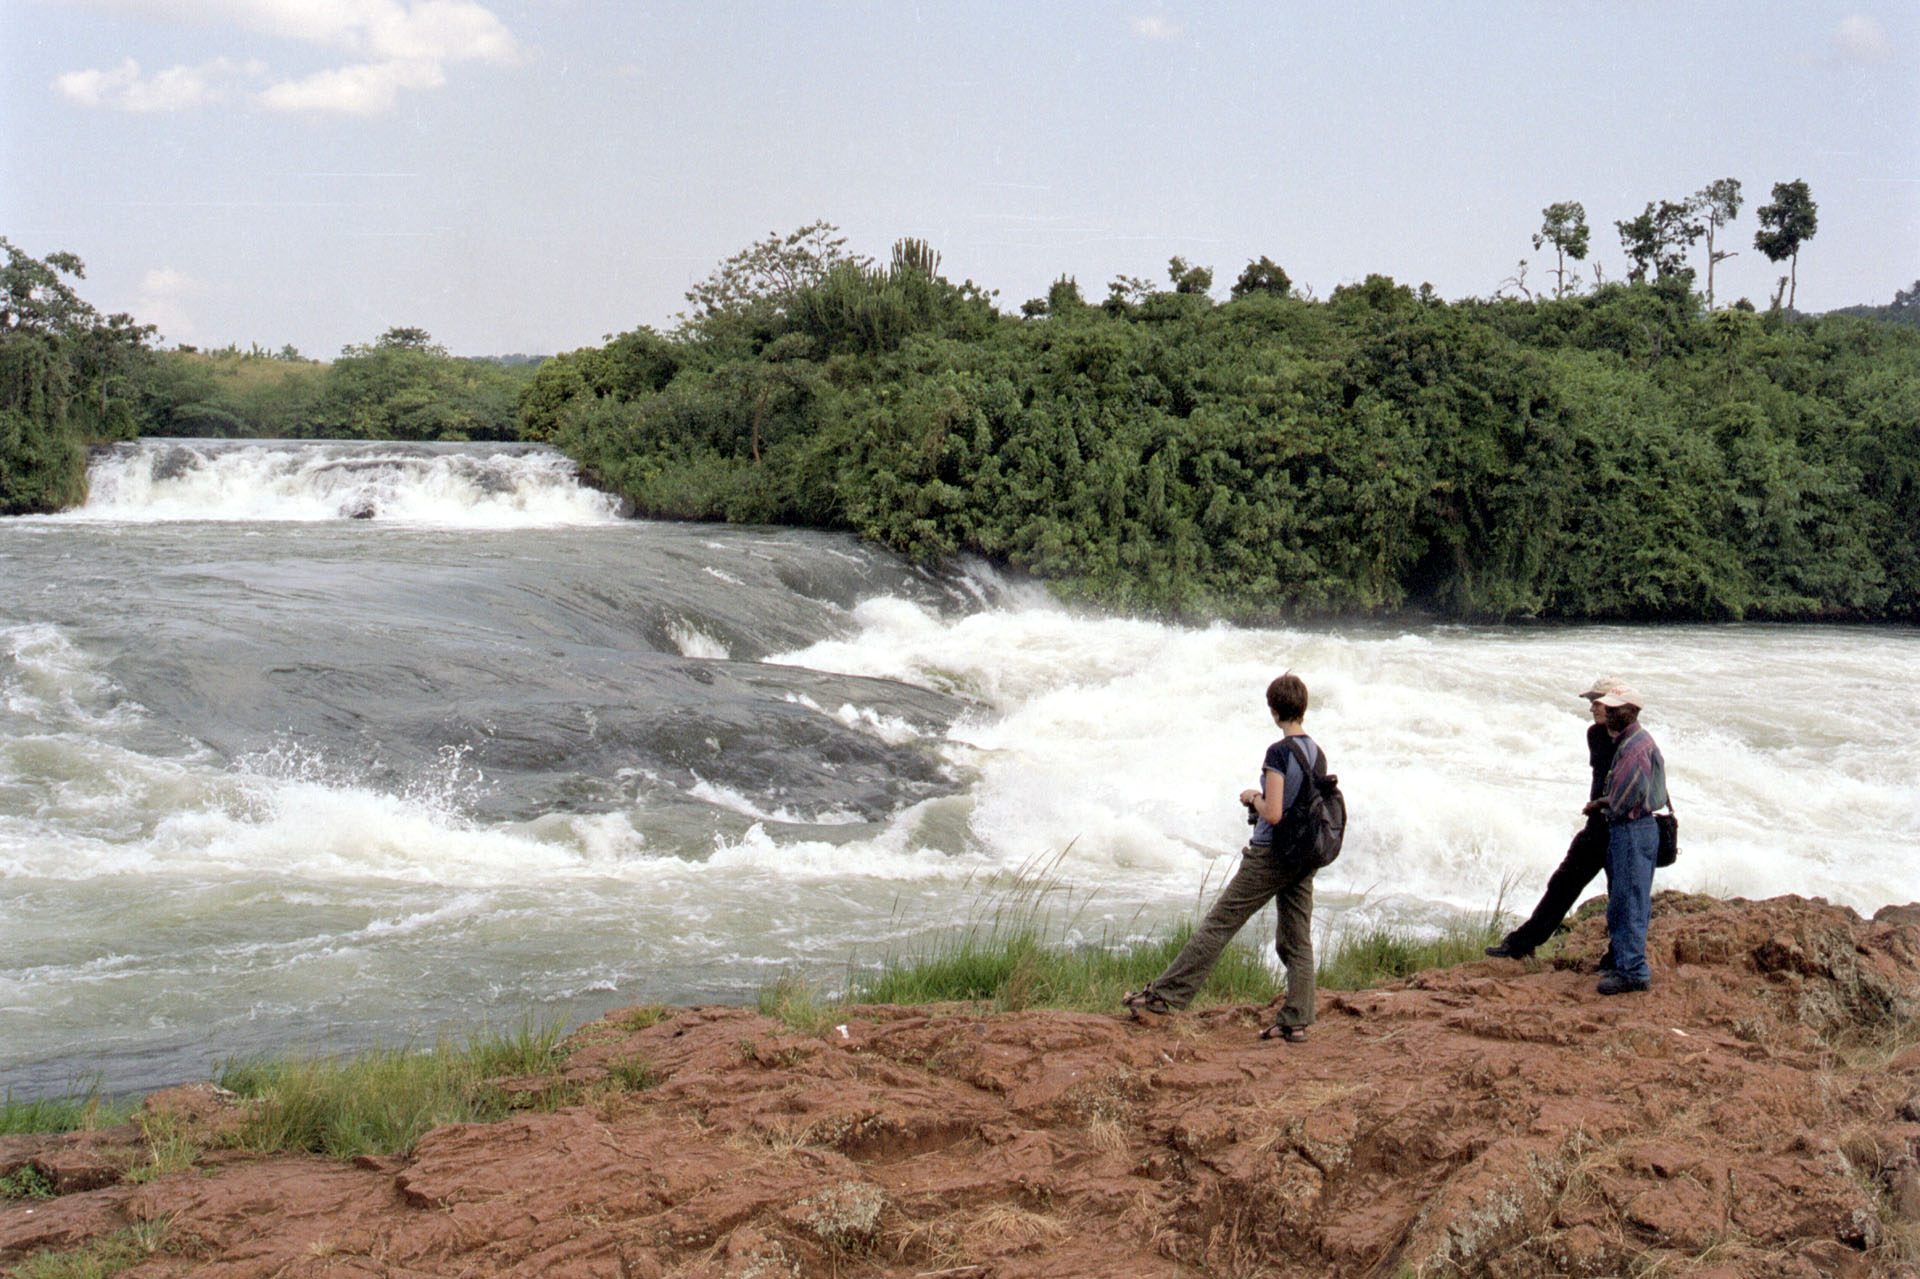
[1507, 950]
[1614, 984]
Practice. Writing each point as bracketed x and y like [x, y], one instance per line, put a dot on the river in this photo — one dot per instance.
[310, 746]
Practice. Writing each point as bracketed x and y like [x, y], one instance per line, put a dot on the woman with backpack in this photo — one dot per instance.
[1279, 864]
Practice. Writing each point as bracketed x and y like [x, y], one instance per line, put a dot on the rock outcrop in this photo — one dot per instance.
[1756, 1113]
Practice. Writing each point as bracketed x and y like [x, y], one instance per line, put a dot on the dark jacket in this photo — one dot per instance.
[1600, 756]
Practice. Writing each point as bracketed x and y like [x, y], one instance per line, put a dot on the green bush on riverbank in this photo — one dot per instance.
[1623, 454]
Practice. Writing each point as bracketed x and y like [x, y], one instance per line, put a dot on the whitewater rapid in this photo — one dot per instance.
[277, 780]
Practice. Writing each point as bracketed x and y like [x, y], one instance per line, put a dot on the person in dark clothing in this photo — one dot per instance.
[1266, 874]
[1586, 855]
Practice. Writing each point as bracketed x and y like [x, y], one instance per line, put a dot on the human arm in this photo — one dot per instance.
[1270, 801]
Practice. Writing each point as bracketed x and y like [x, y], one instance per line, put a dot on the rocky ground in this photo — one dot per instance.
[1757, 1113]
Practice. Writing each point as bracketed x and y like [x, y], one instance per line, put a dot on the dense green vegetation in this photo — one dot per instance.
[1621, 453]
[64, 380]
[401, 386]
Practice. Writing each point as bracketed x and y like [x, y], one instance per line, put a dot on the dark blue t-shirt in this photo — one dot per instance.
[1280, 759]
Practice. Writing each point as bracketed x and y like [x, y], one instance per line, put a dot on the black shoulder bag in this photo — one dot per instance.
[1669, 827]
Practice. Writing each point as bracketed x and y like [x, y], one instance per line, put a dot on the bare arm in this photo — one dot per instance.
[1270, 801]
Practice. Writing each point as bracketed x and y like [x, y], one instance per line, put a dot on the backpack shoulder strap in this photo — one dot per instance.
[1316, 769]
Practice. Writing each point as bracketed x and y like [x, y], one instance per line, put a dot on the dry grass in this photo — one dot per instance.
[1279, 1117]
[1107, 1135]
[782, 1138]
[950, 1243]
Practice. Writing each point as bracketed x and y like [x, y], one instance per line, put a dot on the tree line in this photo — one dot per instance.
[1620, 452]
[1658, 242]
[1615, 451]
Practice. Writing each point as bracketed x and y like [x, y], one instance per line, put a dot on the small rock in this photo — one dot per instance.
[845, 1216]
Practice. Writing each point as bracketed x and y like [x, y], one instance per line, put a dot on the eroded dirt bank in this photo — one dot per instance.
[1757, 1113]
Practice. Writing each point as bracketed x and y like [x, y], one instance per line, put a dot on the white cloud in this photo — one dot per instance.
[398, 45]
[1859, 39]
[1157, 28]
[124, 88]
[383, 30]
[366, 88]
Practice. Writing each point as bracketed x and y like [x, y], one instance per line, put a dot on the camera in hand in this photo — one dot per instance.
[1253, 814]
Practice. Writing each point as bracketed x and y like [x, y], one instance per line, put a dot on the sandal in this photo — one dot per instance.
[1148, 1000]
[1286, 1034]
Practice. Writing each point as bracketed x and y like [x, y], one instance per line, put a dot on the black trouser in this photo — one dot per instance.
[1586, 857]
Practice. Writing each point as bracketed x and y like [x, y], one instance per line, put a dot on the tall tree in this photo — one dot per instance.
[1659, 238]
[65, 379]
[1187, 278]
[1785, 225]
[1565, 228]
[1262, 276]
[762, 278]
[1905, 307]
[1719, 202]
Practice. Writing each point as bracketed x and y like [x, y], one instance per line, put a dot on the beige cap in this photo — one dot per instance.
[1622, 695]
[1602, 686]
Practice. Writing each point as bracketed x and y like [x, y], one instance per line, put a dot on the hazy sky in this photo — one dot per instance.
[533, 175]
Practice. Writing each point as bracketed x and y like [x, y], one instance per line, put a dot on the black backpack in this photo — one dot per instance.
[1315, 823]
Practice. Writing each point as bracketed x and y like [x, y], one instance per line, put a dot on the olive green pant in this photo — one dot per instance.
[1261, 878]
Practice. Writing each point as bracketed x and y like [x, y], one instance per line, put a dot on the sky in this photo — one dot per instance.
[533, 176]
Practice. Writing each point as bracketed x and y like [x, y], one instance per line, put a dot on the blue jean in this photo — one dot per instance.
[1631, 849]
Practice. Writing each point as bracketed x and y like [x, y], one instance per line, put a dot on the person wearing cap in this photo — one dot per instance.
[1636, 786]
[1586, 855]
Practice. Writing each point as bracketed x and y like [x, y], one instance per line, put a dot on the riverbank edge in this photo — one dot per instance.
[1760, 1107]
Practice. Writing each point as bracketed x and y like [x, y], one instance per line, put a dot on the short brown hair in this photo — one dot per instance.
[1287, 697]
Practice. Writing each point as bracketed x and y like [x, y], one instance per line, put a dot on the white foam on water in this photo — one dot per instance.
[464, 486]
[732, 800]
[891, 856]
[1461, 750]
[49, 679]
[891, 729]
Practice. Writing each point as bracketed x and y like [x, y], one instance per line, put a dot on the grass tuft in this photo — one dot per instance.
[797, 1002]
[1011, 955]
[26, 1182]
[644, 1016]
[97, 1258]
[170, 1148]
[1364, 959]
[635, 1074]
[62, 1114]
[379, 1102]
